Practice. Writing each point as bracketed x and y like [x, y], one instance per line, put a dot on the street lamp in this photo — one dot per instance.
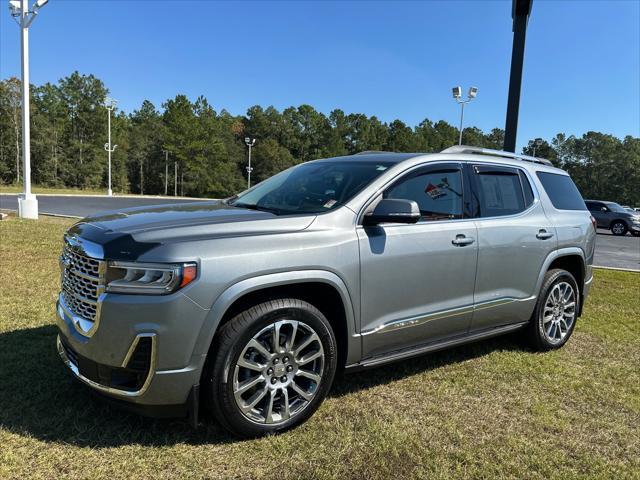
[457, 95]
[110, 103]
[250, 143]
[24, 17]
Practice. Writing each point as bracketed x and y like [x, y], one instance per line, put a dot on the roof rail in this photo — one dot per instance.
[495, 153]
[369, 152]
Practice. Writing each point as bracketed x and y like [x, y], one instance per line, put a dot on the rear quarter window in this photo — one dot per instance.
[563, 193]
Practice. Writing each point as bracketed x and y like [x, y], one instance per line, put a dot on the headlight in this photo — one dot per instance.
[148, 278]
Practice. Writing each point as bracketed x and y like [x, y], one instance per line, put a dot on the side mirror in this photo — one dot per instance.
[393, 211]
[604, 209]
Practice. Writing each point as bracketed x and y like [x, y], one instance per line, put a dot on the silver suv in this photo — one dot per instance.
[248, 306]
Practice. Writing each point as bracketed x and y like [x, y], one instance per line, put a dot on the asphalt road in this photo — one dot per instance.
[611, 251]
[617, 252]
[85, 205]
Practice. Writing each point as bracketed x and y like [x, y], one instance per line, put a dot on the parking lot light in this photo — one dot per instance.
[24, 17]
[457, 95]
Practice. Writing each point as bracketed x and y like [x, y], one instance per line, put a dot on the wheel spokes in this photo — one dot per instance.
[256, 345]
[300, 391]
[269, 384]
[309, 375]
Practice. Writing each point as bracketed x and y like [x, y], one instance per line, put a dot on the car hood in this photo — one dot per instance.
[186, 221]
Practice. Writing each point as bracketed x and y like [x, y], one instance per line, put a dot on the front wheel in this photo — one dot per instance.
[271, 367]
[556, 311]
[618, 228]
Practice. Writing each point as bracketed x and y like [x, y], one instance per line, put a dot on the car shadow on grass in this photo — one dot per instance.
[39, 398]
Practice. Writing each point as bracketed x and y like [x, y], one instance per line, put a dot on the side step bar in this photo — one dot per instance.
[431, 347]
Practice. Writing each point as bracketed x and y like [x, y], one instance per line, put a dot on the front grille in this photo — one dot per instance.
[80, 283]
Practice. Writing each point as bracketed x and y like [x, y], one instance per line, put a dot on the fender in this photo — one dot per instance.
[241, 288]
[561, 252]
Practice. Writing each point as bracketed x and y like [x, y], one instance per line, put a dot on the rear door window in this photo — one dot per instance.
[500, 190]
[562, 192]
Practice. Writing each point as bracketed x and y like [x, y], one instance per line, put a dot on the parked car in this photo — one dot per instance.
[613, 217]
[249, 306]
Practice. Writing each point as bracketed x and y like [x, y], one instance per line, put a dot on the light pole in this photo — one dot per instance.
[24, 17]
[166, 169]
[110, 103]
[457, 95]
[250, 143]
[175, 179]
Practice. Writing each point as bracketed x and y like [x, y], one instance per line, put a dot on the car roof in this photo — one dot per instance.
[373, 157]
[479, 156]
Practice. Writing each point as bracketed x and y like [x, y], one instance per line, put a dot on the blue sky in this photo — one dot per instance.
[389, 59]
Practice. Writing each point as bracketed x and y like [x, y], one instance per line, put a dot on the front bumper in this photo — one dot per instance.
[142, 351]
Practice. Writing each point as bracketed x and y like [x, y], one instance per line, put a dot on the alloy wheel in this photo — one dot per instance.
[278, 372]
[618, 228]
[559, 312]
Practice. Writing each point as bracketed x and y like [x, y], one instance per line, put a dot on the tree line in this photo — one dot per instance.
[206, 147]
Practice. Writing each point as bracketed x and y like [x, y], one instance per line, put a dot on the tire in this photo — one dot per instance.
[619, 228]
[297, 376]
[541, 333]
[635, 234]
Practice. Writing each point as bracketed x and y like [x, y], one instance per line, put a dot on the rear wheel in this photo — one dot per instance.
[618, 228]
[556, 312]
[271, 367]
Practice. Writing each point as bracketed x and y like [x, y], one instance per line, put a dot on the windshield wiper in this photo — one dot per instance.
[251, 206]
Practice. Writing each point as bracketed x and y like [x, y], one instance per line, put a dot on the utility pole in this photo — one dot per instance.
[110, 104]
[457, 95]
[166, 170]
[175, 179]
[521, 9]
[250, 143]
[24, 17]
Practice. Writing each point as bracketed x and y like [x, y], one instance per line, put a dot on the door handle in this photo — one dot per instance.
[462, 240]
[543, 234]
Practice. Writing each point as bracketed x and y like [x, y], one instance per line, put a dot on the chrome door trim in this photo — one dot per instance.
[417, 320]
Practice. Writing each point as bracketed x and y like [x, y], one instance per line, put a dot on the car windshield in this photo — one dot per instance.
[614, 207]
[313, 187]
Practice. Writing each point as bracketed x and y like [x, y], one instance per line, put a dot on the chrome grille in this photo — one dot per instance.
[80, 283]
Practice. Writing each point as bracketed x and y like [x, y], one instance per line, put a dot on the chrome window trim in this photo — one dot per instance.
[110, 390]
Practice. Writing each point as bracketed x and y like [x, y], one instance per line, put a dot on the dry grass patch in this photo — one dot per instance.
[487, 410]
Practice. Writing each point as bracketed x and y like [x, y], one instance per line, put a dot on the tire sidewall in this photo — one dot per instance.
[624, 228]
[264, 315]
[555, 277]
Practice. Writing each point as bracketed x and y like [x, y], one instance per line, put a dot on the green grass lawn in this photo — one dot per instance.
[487, 410]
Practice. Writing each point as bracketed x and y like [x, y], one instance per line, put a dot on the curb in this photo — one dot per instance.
[113, 196]
[620, 269]
[60, 215]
